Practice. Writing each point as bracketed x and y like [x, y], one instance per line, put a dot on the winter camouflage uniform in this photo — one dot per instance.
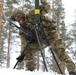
[56, 42]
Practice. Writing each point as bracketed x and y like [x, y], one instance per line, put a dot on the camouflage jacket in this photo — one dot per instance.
[30, 19]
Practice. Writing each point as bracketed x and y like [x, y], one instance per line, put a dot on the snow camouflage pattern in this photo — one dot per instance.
[56, 42]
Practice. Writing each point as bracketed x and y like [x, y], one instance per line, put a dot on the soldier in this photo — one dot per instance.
[58, 45]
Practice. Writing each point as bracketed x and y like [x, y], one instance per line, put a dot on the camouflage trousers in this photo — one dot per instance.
[58, 46]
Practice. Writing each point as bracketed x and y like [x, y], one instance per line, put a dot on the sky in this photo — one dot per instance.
[70, 6]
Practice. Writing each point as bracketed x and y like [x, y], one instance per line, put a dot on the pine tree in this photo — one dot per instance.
[1, 13]
[8, 7]
[73, 37]
[1, 37]
[59, 16]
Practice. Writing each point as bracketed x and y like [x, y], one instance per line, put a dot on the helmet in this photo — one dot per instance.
[17, 14]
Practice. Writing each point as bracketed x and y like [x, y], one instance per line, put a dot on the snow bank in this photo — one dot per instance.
[5, 71]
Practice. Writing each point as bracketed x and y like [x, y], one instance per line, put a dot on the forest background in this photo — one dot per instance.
[10, 40]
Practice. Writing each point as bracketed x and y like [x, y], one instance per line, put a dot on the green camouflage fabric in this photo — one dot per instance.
[56, 42]
[17, 14]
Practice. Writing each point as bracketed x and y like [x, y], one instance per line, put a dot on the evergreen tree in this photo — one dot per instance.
[26, 5]
[61, 27]
[59, 16]
[1, 37]
[9, 6]
[73, 37]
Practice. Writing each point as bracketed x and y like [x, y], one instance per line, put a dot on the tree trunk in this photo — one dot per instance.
[8, 52]
[1, 9]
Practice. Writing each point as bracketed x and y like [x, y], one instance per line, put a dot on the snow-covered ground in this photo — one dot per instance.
[5, 71]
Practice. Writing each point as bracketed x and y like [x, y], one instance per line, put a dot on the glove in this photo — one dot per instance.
[20, 58]
[34, 36]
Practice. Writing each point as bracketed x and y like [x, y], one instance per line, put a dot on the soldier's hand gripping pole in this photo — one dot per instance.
[37, 17]
[21, 57]
[28, 34]
[37, 13]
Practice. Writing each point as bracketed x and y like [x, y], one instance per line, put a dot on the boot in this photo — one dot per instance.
[72, 73]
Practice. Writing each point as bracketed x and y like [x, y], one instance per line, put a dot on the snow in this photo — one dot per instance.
[8, 71]
[70, 7]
